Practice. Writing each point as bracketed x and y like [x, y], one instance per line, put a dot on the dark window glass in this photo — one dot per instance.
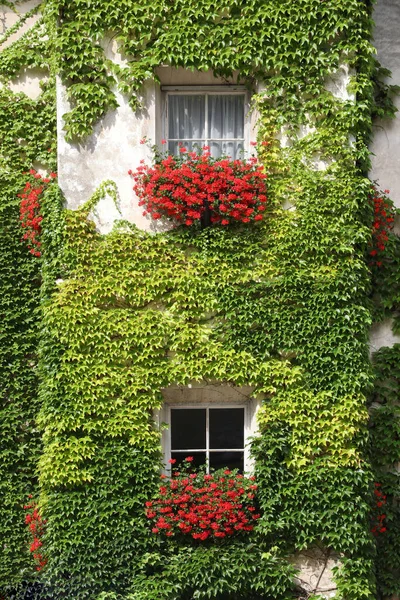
[232, 460]
[199, 458]
[226, 428]
[188, 428]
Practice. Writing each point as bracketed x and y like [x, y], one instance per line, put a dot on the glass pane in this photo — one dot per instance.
[232, 150]
[231, 460]
[215, 149]
[226, 428]
[225, 116]
[174, 147]
[188, 428]
[199, 459]
[186, 117]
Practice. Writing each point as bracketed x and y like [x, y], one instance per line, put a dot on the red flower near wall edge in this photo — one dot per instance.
[36, 525]
[383, 219]
[30, 215]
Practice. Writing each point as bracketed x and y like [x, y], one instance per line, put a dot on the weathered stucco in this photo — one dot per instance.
[9, 17]
[386, 143]
[108, 153]
[27, 81]
[315, 571]
[381, 334]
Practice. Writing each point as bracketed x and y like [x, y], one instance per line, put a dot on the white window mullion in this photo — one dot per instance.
[208, 439]
[206, 121]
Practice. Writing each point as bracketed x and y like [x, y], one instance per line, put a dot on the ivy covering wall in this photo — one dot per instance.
[284, 306]
[27, 132]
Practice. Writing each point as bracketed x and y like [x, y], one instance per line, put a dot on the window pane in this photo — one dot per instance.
[225, 116]
[215, 149]
[232, 460]
[186, 117]
[188, 428]
[199, 458]
[226, 428]
[174, 147]
[233, 150]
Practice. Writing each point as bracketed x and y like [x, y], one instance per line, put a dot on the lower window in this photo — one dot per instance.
[213, 436]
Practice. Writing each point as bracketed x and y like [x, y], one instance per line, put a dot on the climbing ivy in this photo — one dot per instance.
[27, 132]
[283, 306]
[291, 46]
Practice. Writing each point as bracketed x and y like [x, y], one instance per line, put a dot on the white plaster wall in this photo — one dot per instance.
[108, 153]
[386, 143]
[28, 81]
[381, 335]
[8, 18]
[315, 571]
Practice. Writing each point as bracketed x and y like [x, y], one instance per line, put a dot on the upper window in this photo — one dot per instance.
[197, 118]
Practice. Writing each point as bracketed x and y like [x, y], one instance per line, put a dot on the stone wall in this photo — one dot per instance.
[386, 143]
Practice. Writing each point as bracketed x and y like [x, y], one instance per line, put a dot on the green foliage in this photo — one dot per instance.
[20, 444]
[291, 46]
[27, 131]
[385, 455]
[216, 305]
[226, 571]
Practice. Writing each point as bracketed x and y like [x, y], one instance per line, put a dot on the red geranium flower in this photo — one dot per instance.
[203, 506]
[193, 186]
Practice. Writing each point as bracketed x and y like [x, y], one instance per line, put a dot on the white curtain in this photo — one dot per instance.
[223, 130]
[186, 117]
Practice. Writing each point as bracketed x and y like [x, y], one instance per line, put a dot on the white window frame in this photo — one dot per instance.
[250, 427]
[217, 90]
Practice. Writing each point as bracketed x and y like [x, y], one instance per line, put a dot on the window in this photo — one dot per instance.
[214, 433]
[196, 117]
[213, 436]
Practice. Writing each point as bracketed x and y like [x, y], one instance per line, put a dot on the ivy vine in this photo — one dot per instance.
[284, 305]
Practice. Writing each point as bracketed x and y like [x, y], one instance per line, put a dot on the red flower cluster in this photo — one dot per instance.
[30, 216]
[383, 223]
[379, 518]
[204, 506]
[36, 527]
[184, 188]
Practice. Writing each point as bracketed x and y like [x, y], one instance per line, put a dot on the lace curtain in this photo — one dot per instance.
[214, 120]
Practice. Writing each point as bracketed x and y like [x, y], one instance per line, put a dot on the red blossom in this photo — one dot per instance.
[184, 188]
[203, 506]
[36, 525]
[30, 215]
[382, 225]
[378, 517]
